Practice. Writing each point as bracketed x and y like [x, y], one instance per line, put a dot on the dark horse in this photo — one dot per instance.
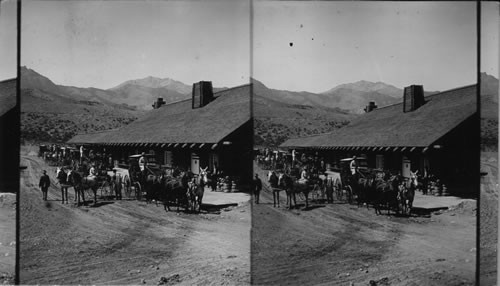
[174, 190]
[152, 185]
[272, 178]
[80, 184]
[386, 192]
[292, 188]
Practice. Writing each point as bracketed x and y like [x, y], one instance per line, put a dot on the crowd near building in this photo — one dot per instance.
[209, 131]
[436, 135]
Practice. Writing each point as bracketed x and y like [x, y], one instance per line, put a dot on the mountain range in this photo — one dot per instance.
[56, 112]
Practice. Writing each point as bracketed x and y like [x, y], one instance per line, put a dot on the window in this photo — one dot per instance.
[379, 162]
[167, 158]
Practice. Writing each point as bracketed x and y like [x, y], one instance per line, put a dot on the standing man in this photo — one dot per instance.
[117, 182]
[142, 161]
[81, 154]
[142, 165]
[257, 184]
[354, 169]
[44, 184]
[353, 166]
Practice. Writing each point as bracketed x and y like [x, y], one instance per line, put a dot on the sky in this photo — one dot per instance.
[104, 43]
[490, 31]
[8, 39]
[314, 46]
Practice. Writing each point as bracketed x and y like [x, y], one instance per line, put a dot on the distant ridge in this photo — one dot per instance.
[155, 82]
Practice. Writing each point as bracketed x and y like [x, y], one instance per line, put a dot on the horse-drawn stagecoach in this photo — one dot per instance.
[366, 186]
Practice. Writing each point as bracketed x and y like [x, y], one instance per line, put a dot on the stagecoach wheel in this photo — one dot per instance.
[126, 186]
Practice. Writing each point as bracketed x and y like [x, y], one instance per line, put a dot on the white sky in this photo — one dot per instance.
[399, 43]
[490, 37]
[104, 43]
[8, 39]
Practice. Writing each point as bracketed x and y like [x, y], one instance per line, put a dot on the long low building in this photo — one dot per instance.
[211, 130]
[437, 134]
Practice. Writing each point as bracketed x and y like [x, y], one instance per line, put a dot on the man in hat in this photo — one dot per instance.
[117, 184]
[92, 172]
[44, 184]
[257, 185]
[353, 166]
[142, 161]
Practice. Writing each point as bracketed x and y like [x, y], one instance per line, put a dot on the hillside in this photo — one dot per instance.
[52, 113]
[489, 112]
[276, 121]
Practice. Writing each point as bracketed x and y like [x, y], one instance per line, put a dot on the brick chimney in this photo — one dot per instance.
[202, 94]
[413, 97]
[158, 103]
[370, 107]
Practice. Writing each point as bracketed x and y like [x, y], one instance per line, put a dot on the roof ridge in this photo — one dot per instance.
[9, 79]
[235, 87]
[97, 132]
[312, 135]
[428, 96]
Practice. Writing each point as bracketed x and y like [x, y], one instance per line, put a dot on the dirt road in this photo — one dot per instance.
[126, 242]
[489, 219]
[340, 244]
[7, 237]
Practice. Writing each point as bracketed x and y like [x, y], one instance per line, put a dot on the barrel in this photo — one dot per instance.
[234, 189]
[435, 190]
[226, 187]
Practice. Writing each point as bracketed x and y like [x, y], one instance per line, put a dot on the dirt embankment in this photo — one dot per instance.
[489, 219]
[7, 237]
[126, 242]
[340, 244]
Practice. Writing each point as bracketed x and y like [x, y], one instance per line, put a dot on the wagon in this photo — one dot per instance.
[132, 183]
[341, 177]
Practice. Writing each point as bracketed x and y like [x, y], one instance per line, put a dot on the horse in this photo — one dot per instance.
[386, 192]
[196, 189]
[152, 185]
[81, 183]
[292, 188]
[363, 189]
[209, 179]
[273, 179]
[62, 178]
[174, 190]
[407, 193]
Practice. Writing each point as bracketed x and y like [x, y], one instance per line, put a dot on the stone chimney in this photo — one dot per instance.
[370, 107]
[158, 103]
[202, 94]
[413, 98]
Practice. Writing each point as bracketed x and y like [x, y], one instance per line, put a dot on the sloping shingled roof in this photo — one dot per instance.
[7, 95]
[390, 127]
[91, 138]
[179, 123]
